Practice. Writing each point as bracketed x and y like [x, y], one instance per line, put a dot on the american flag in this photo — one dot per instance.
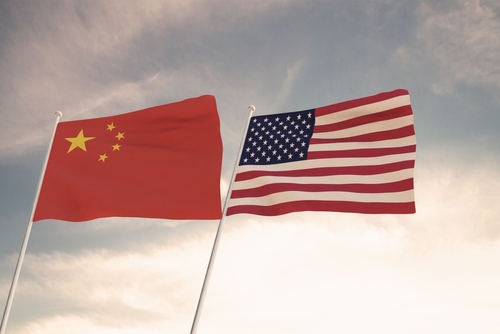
[355, 156]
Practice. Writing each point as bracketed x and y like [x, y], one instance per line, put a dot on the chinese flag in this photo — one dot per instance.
[160, 162]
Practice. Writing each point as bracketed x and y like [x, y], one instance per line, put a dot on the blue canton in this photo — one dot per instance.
[279, 138]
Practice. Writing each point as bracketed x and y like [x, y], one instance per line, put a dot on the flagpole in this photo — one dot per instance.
[10, 298]
[204, 288]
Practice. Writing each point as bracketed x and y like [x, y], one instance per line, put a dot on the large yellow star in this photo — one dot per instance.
[78, 141]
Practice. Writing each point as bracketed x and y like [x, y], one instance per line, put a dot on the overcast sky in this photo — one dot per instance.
[437, 271]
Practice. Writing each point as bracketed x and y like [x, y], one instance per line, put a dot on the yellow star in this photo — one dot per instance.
[116, 147]
[111, 127]
[102, 157]
[120, 135]
[78, 141]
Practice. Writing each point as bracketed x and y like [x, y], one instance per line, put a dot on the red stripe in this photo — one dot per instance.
[329, 206]
[329, 171]
[403, 132]
[361, 153]
[268, 189]
[359, 102]
[365, 119]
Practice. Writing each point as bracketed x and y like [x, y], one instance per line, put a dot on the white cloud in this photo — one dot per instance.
[298, 277]
[83, 325]
[463, 37]
[292, 73]
[135, 292]
[63, 58]
[431, 272]
[455, 202]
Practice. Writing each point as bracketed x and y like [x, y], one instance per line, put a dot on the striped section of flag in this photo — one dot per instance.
[355, 156]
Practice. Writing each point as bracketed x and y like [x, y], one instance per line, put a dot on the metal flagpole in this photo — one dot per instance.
[196, 320]
[5, 317]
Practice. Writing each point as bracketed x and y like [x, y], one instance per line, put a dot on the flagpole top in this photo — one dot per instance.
[58, 114]
[251, 108]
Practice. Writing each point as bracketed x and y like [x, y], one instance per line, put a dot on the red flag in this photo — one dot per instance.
[355, 156]
[160, 162]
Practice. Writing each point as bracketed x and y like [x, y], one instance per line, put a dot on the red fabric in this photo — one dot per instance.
[168, 165]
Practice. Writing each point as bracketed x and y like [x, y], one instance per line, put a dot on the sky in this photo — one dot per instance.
[431, 272]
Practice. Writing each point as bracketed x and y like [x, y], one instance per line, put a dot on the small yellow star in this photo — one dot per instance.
[102, 157]
[116, 147]
[78, 141]
[111, 126]
[120, 135]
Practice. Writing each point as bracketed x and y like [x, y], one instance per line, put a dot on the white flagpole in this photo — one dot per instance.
[196, 320]
[6, 313]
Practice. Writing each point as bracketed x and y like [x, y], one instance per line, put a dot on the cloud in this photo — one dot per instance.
[88, 60]
[291, 76]
[429, 272]
[106, 290]
[54, 61]
[435, 271]
[297, 276]
[463, 37]
[456, 202]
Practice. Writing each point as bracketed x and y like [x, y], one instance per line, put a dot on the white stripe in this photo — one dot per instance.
[291, 196]
[367, 128]
[333, 162]
[400, 142]
[334, 179]
[366, 109]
